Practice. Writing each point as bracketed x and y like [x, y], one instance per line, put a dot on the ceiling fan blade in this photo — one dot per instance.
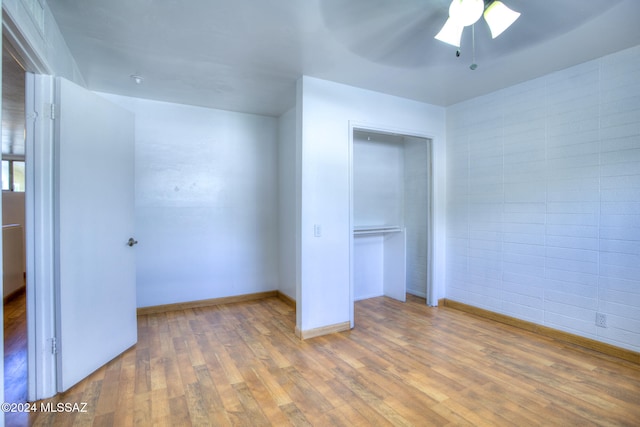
[391, 32]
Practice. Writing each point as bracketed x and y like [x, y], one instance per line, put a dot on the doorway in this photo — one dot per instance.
[391, 214]
[38, 232]
[14, 227]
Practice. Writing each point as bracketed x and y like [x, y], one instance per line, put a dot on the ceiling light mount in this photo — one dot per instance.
[138, 79]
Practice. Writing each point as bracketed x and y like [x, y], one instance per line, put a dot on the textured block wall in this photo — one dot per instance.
[543, 200]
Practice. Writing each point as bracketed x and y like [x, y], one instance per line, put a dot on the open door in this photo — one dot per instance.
[94, 220]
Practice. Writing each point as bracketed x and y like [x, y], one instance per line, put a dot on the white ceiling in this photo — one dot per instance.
[245, 55]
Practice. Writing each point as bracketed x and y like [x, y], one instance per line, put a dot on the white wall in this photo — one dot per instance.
[287, 202]
[13, 213]
[12, 259]
[13, 207]
[543, 191]
[378, 180]
[206, 202]
[325, 110]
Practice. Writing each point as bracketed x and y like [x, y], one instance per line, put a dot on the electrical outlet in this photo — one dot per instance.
[601, 320]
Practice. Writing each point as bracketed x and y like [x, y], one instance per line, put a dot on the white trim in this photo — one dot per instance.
[351, 276]
[39, 231]
[19, 46]
[430, 296]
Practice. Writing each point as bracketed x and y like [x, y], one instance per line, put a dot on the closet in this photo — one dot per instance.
[391, 193]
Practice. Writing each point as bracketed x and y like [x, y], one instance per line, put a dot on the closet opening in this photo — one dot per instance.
[391, 215]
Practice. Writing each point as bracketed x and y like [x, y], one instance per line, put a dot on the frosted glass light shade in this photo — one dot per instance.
[499, 17]
[466, 12]
[451, 33]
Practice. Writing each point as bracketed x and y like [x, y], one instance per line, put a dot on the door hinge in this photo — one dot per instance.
[54, 346]
[53, 111]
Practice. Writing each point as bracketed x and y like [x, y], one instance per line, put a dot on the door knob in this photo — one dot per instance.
[132, 241]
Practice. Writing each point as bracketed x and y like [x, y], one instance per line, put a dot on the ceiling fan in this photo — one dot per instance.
[463, 13]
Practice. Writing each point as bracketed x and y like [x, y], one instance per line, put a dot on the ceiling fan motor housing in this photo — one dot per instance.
[466, 12]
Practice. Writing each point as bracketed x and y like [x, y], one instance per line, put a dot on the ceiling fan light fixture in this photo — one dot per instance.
[499, 17]
[451, 33]
[466, 12]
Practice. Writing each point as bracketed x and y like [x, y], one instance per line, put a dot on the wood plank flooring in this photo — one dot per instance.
[403, 364]
[15, 355]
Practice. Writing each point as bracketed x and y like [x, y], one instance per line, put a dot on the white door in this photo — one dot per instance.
[94, 219]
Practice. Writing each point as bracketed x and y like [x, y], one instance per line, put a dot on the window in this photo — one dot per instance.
[13, 175]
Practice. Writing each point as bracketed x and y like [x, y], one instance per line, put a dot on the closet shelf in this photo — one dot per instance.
[376, 229]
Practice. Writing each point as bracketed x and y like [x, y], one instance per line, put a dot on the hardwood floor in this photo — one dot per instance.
[403, 364]
[15, 355]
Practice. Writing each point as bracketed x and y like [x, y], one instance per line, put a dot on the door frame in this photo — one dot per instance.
[39, 204]
[39, 209]
[374, 128]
